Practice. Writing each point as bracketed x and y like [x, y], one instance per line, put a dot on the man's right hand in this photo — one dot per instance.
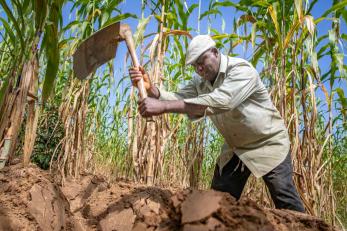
[136, 74]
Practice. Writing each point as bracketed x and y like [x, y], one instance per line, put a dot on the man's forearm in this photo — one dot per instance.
[179, 106]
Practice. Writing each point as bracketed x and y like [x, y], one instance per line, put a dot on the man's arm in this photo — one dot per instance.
[179, 106]
[188, 91]
[151, 107]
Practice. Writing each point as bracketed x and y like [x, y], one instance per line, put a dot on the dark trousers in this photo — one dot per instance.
[279, 182]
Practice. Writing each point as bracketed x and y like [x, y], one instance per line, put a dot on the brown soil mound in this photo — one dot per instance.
[31, 200]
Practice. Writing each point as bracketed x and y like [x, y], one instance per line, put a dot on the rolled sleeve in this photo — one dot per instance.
[165, 95]
[238, 85]
[188, 91]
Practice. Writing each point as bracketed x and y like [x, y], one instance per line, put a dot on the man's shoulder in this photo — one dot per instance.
[235, 61]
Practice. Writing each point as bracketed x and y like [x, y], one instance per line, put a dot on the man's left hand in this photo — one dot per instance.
[151, 107]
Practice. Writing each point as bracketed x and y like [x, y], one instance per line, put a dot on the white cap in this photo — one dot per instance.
[197, 46]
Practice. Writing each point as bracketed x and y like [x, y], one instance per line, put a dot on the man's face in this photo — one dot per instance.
[207, 65]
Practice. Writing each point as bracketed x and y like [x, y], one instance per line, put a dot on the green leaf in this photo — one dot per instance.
[332, 36]
[191, 8]
[40, 7]
[229, 4]
[258, 53]
[138, 35]
[343, 101]
[273, 13]
[223, 36]
[9, 31]
[210, 12]
[71, 25]
[253, 34]
[344, 15]
[52, 50]
[312, 4]
[322, 50]
[261, 3]
[118, 18]
[339, 59]
[335, 7]
[318, 20]
[104, 17]
[157, 17]
[314, 62]
[14, 21]
[26, 4]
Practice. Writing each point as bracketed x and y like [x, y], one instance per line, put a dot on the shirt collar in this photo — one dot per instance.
[223, 64]
[222, 69]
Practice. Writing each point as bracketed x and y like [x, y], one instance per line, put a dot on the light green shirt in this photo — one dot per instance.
[241, 109]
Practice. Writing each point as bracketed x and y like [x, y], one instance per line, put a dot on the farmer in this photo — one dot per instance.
[230, 92]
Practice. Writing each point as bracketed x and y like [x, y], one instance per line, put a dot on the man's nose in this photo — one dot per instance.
[199, 68]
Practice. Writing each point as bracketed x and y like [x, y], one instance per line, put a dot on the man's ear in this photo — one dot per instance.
[215, 51]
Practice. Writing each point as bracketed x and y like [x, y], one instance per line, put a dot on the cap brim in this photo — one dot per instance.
[196, 57]
[189, 63]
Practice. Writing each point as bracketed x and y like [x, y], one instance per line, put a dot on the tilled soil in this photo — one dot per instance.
[31, 200]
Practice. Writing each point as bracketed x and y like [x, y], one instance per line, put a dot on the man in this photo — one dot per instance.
[231, 93]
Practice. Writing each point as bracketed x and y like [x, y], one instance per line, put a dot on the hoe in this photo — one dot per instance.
[102, 47]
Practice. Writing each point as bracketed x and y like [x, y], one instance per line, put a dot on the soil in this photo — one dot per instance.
[31, 199]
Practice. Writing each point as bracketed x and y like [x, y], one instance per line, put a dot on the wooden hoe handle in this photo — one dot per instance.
[126, 34]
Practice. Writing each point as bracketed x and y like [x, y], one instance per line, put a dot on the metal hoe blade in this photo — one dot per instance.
[96, 50]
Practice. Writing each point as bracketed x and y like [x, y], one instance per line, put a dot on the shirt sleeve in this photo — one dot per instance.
[188, 91]
[238, 85]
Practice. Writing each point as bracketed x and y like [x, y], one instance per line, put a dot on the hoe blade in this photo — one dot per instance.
[96, 50]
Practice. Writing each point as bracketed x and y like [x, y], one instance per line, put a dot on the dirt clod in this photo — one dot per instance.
[200, 205]
[122, 220]
[46, 207]
[30, 199]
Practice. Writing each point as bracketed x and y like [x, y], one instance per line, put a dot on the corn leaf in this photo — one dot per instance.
[335, 7]
[210, 12]
[9, 31]
[41, 8]
[273, 13]
[343, 101]
[118, 18]
[138, 35]
[51, 50]
[229, 4]
[14, 21]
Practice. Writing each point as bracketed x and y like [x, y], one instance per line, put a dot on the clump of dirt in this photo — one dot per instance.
[211, 210]
[30, 199]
